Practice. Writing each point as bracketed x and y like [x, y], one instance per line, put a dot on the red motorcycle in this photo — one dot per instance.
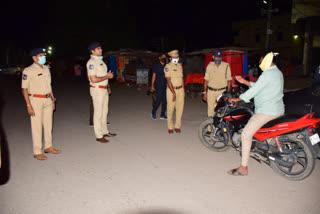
[288, 144]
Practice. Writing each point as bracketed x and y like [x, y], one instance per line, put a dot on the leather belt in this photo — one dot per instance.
[99, 86]
[40, 95]
[216, 89]
[177, 87]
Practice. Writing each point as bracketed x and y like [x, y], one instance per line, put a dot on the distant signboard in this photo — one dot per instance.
[142, 76]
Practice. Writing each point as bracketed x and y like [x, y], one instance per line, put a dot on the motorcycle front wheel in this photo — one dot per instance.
[296, 162]
[219, 143]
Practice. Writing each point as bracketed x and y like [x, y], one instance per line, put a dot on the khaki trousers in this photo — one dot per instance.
[177, 105]
[43, 110]
[100, 99]
[253, 125]
[211, 100]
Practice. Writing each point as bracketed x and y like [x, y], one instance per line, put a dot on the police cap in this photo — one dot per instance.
[93, 46]
[174, 53]
[36, 51]
[217, 53]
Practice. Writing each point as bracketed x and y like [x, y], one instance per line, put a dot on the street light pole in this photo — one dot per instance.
[269, 31]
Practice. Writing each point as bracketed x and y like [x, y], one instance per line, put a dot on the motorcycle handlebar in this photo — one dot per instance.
[231, 104]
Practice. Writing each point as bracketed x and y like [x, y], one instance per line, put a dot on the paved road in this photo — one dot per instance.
[142, 171]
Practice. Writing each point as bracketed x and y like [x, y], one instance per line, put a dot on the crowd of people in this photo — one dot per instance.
[167, 84]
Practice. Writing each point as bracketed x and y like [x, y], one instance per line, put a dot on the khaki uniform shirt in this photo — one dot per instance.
[218, 76]
[96, 67]
[37, 79]
[175, 72]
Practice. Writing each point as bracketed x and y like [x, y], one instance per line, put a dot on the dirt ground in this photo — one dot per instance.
[143, 170]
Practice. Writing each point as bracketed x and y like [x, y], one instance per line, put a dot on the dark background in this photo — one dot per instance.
[69, 26]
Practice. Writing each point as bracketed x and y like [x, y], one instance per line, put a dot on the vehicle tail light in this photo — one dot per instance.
[312, 126]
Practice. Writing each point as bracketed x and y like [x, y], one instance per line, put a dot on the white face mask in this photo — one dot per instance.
[175, 61]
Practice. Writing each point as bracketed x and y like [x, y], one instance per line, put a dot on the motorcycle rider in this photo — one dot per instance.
[267, 93]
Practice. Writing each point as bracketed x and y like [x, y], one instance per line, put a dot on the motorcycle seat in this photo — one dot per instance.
[282, 119]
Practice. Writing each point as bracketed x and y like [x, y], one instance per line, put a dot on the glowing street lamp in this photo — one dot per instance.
[295, 37]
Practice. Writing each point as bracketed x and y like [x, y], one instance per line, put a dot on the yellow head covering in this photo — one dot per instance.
[267, 60]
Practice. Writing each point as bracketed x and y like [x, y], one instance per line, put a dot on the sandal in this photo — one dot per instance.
[235, 172]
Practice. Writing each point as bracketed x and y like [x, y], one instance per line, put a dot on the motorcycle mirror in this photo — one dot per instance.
[219, 97]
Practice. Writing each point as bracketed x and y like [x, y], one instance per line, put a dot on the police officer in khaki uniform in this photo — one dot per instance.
[217, 79]
[175, 91]
[98, 76]
[37, 92]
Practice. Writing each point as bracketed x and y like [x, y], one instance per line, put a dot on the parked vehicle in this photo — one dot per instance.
[287, 144]
[11, 70]
[303, 101]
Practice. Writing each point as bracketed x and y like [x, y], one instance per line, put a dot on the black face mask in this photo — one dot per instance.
[163, 60]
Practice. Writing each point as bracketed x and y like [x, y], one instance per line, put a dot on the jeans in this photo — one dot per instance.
[161, 98]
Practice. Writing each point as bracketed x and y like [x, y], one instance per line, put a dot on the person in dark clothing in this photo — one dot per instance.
[159, 85]
[316, 80]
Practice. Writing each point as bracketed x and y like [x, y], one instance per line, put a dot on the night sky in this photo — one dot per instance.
[70, 25]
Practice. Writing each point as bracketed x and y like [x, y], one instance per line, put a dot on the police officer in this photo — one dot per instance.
[159, 85]
[175, 91]
[98, 76]
[37, 92]
[216, 80]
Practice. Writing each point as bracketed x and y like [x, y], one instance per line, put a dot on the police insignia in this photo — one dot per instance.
[90, 67]
[24, 76]
[167, 69]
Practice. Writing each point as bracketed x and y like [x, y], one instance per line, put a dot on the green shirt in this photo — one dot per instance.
[267, 92]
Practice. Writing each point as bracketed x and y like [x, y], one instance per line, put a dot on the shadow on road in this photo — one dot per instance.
[4, 150]
[156, 211]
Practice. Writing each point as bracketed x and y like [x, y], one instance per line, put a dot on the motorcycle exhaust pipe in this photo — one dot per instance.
[278, 159]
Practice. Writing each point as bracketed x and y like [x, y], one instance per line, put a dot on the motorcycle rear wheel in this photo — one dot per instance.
[303, 163]
[220, 143]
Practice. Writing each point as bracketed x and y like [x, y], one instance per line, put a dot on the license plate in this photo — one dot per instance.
[314, 139]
